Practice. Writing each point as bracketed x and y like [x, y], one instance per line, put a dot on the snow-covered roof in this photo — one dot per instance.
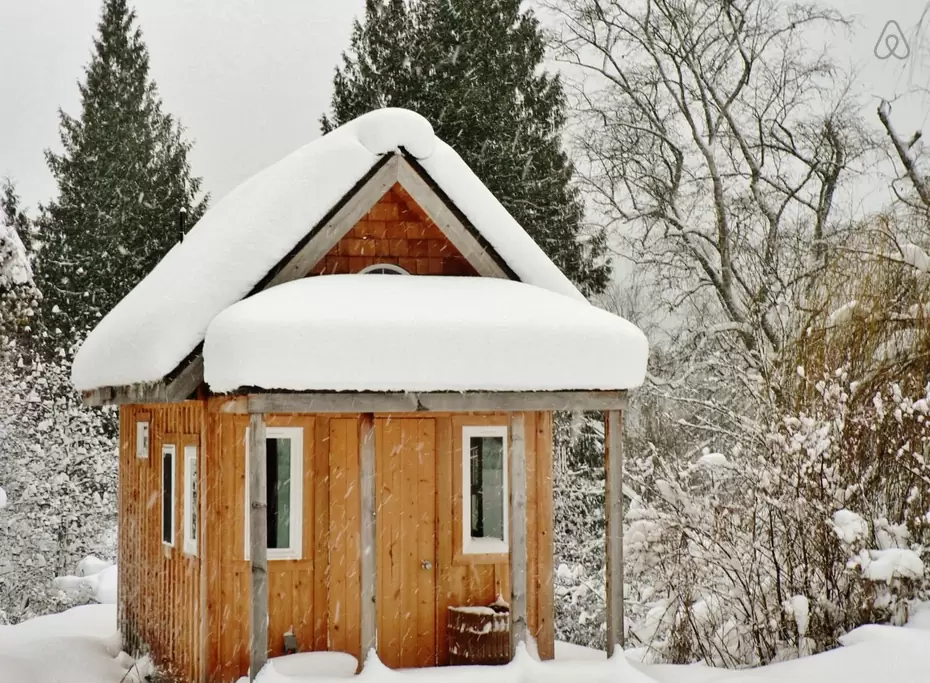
[395, 333]
[247, 233]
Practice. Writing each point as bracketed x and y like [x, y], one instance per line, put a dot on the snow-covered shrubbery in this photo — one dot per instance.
[772, 549]
[58, 469]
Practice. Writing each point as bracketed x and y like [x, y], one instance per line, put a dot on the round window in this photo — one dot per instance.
[383, 269]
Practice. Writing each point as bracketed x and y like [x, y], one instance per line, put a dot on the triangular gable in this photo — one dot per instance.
[397, 233]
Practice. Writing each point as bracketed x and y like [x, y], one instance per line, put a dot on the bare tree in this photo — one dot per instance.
[907, 153]
[714, 143]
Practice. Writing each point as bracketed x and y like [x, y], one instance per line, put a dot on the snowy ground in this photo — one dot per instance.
[80, 646]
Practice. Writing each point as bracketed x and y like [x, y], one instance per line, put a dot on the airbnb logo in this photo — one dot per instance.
[892, 43]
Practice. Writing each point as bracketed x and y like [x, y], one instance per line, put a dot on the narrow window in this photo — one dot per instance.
[484, 470]
[283, 493]
[168, 452]
[142, 439]
[190, 500]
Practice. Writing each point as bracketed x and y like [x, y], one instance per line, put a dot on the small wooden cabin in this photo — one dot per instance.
[319, 454]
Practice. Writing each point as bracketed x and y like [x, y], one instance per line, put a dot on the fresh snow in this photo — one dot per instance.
[849, 526]
[713, 460]
[390, 333]
[892, 563]
[94, 577]
[243, 236]
[80, 646]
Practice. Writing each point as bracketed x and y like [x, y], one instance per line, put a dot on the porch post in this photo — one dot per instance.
[369, 578]
[613, 498]
[518, 555]
[258, 544]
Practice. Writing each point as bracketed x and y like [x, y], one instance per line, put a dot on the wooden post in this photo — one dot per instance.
[369, 578]
[258, 544]
[518, 555]
[613, 496]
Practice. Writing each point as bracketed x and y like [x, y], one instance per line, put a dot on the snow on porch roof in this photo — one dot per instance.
[397, 333]
[248, 232]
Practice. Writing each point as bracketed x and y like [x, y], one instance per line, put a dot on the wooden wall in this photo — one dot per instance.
[395, 231]
[160, 606]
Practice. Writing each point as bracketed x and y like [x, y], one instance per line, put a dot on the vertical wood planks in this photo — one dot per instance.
[614, 502]
[258, 545]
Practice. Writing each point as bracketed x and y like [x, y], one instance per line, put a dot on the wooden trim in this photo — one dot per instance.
[448, 222]
[369, 577]
[614, 533]
[328, 235]
[442, 402]
[258, 550]
[518, 544]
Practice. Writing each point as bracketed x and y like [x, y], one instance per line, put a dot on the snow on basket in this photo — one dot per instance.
[479, 635]
[335, 333]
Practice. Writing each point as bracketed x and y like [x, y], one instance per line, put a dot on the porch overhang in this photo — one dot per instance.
[255, 402]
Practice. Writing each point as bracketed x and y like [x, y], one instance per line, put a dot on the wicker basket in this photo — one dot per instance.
[479, 635]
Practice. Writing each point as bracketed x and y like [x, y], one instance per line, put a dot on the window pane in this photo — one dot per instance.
[194, 510]
[278, 492]
[487, 487]
[167, 506]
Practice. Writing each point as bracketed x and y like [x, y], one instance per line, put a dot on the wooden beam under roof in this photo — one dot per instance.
[411, 402]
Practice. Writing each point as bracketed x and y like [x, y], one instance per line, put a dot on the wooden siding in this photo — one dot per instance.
[197, 608]
[405, 494]
[396, 231]
[160, 606]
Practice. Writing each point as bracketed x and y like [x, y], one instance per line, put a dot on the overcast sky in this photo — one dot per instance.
[249, 79]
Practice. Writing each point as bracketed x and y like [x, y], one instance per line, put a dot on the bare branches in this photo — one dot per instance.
[906, 156]
[712, 146]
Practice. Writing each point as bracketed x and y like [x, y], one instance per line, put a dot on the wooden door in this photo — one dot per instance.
[405, 474]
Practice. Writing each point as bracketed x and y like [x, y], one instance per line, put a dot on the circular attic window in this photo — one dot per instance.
[383, 269]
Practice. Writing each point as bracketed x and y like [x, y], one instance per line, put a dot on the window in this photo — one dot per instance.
[484, 498]
[190, 500]
[142, 439]
[383, 269]
[168, 452]
[284, 492]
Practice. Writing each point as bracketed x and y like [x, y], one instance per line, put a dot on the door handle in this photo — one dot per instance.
[426, 564]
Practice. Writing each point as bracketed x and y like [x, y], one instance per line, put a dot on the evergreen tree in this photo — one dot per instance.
[472, 68]
[19, 298]
[123, 177]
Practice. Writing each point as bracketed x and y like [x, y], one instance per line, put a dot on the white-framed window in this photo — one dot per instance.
[191, 500]
[142, 439]
[284, 453]
[485, 523]
[383, 269]
[168, 457]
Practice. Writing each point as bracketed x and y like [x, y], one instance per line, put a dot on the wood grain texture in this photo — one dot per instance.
[518, 544]
[614, 541]
[192, 610]
[258, 546]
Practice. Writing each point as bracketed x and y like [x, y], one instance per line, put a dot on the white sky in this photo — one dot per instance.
[249, 79]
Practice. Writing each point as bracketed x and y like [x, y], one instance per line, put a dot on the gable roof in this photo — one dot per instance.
[262, 228]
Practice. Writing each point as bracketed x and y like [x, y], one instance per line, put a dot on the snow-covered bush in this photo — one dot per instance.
[58, 469]
[808, 526]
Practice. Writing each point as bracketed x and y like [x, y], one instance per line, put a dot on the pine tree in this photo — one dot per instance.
[19, 297]
[472, 68]
[123, 177]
